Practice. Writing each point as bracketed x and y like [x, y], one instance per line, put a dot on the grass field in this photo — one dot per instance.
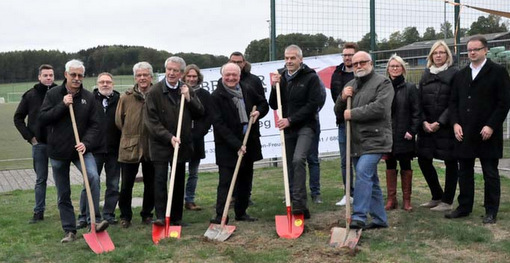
[418, 236]
[12, 92]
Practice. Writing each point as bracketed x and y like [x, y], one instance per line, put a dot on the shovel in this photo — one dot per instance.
[346, 237]
[161, 232]
[222, 232]
[99, 242]
[289, 226]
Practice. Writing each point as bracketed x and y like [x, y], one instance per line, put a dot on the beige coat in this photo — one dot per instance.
[129, 119]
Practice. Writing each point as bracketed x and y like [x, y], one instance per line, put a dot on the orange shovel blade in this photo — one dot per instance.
[161, 232]
[289, 229]
[99, 242]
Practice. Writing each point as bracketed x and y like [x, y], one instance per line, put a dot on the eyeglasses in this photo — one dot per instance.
[394, 66]
[360, 63]
[347, 55]
[236, 62]
[74, 75]
[105, 82]
[438, 53]
[475, 49]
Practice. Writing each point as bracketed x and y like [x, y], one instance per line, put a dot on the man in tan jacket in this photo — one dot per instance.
[133, 149]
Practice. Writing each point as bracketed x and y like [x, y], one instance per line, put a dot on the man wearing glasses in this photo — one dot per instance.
[107, 151]
[370, 117]
[62, 147]
[343, 74]
[479, 104]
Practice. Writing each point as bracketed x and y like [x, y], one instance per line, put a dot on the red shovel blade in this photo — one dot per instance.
[161, 232]
[99, 242]
[290, 226]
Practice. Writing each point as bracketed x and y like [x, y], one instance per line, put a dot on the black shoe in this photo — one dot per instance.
[81, 225]
[217, 220]
[357, 224]
[36, 218]
[112, 221]
[374, 226]
[101, 226]
[246, 218]
[316, 199]
[489, 219]
[147, 220]
[305, 213]
[159, 222]
[456, 214]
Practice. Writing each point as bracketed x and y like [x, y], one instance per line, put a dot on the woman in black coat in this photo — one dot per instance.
[405, 122]
[436, 138]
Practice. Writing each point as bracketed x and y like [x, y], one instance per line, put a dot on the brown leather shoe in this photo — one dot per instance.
[192, 206]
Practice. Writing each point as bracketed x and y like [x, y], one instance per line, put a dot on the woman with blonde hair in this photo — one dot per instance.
[405, 122]
[436, 137]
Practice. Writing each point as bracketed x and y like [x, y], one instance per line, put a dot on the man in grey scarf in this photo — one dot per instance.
[232, 103]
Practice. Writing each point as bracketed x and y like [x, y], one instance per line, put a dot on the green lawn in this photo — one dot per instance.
[12, 92]
[419, 236]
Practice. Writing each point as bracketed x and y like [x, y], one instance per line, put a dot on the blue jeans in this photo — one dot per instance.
[314, 164]
[369, 197]
[40, 160]
[297, 145]
[342, 145]
[62, 182]
[111, 194]
[191, 184]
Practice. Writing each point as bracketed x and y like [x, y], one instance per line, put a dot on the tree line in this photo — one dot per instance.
[21, 66]
[319, 44]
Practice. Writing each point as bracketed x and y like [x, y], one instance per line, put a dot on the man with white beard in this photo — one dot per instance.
[370, 117]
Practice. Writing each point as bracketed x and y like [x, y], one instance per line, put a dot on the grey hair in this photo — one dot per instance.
[177, 60]
[430, 59]
[237, 67]
[297, 48]
[400, 61]
[74, 63]
[143, 65]
[104, 73]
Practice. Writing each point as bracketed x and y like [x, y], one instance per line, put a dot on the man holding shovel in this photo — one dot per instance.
[62, 148]
[301, 97]
[161, 119]
[370, 117]
[232, 103]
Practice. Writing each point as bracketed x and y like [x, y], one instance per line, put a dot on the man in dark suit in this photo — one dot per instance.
[232, 104]
[478, 107]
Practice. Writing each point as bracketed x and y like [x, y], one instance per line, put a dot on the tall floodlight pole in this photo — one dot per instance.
[372, 28]
[457, 25]
[273, 32]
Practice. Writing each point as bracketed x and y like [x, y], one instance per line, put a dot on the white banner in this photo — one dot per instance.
[270, 136]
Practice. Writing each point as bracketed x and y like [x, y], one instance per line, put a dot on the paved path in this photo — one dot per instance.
[25, 179]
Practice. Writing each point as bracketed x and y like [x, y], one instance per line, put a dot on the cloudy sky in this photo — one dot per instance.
[202, 26]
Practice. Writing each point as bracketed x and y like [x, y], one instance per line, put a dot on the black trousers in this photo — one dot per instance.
[492, 189]
[243, 186]
[451, 178]
[129, 172]
[161, 190]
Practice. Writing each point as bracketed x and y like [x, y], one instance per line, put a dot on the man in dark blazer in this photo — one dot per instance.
[479, 104]
[232, 104]
[161, 119]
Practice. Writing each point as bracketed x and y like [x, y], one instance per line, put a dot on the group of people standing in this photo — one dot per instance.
[455, 116]
[452, 115]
